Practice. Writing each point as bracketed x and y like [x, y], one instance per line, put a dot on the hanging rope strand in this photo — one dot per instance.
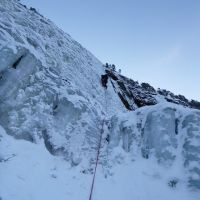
[99, 145]
[97, 159]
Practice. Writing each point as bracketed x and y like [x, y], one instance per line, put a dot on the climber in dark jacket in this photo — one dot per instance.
[108, 138]
[104, 80]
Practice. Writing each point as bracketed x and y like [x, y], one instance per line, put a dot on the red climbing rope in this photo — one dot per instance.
[97, 160]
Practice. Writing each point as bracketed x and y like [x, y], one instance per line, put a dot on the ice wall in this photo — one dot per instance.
[165, 132]
[191, 147]
[50, 86]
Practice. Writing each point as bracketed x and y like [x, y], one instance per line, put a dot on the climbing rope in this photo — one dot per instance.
[97, 160]
[106, 153]
[99, 147]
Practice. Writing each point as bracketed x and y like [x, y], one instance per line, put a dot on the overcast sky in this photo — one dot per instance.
[155, 41]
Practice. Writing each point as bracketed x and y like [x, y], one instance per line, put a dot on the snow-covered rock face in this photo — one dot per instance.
[52, 101]
[49, 84]
[166, 132]
[135, 95]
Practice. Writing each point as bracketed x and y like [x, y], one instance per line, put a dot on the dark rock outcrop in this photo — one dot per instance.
[134, 95]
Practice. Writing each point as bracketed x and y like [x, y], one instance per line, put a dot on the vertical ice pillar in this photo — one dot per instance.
[159, 135]
[191, 148]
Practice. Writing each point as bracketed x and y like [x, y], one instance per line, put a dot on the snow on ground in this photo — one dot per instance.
[32, 173]
[141, 180]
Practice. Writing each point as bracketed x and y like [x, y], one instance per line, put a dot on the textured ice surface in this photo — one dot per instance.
[159, 134]
[191, 148]
[166, 132]
[49, 84]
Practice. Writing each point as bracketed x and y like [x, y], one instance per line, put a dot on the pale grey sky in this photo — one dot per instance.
[153, 41]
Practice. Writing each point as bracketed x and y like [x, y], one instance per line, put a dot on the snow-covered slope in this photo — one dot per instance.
[52, 109]
[50, 85]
